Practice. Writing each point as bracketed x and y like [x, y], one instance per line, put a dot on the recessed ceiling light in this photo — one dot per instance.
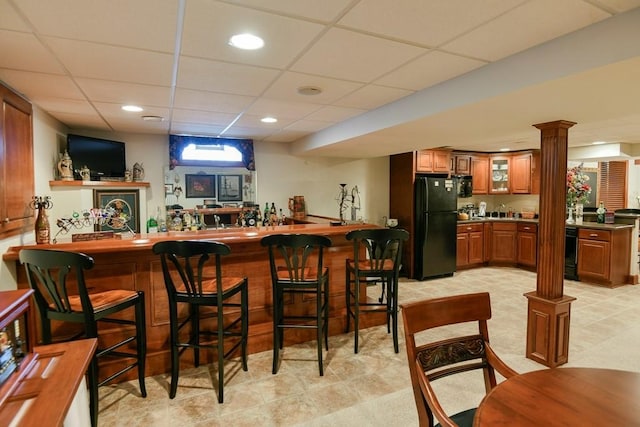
[132, 108]
[505, 149]
[598, 142]
[268, 120]
[309, 90]
[246, 41]
[152, 118]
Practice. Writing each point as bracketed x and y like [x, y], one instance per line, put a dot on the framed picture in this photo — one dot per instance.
[168, 189]
[230, 188]
[121, 210]
[200, 186]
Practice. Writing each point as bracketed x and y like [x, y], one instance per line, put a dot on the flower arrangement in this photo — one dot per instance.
[578, 188]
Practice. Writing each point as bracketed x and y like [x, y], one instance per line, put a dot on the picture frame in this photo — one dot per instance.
[168, 189]
[200, 186]
[127, 202]
[230, 188]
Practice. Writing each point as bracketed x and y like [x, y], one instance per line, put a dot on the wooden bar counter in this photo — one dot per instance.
[131, 264]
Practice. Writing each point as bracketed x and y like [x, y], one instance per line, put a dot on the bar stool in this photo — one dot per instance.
[60, 292]
[199, 283]
[377, 255]
[296, 268]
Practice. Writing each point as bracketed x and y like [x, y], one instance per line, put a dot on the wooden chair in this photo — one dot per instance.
[433, 360]
[61, 294]
[377, 255]
[192, 279]
[296, 266]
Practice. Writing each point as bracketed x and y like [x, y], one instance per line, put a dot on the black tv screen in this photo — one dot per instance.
[105, 158]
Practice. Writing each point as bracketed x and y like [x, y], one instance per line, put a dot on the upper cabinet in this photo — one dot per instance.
[499, 174]
[460, 164]
[16, 164]
[480, 174]
[525, 173]
[433, 161]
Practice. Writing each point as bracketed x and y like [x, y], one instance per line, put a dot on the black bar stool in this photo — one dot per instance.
[377, 255]
[296, 268]
[191, 278]
[60, 292]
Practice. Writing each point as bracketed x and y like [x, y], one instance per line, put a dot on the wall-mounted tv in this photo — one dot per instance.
[105, 158]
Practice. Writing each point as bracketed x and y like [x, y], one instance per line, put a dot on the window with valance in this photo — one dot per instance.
[178, 143]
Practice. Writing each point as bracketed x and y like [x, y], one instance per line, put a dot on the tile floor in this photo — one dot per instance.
[373, 387]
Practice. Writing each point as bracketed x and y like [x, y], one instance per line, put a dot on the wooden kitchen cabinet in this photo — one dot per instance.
[470, 245]
[433, 161]
[525, 173]
[460, 164]
[527, 244]
[504, 242]
[603, 255]
[16, 164]
[480, 174]
[500, 174]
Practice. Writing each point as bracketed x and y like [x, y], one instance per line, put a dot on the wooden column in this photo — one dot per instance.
[549, 309]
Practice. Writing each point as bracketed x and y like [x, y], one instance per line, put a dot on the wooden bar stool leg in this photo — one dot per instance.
[141, 341]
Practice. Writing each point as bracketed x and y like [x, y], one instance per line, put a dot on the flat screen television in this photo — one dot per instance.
[103, 157]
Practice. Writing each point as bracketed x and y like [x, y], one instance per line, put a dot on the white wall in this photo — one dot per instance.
[279, 176]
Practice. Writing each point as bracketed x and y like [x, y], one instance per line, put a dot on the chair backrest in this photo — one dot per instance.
[187, 262]
[382, 247]
[55, 276]
[292, 257]
[429, 361]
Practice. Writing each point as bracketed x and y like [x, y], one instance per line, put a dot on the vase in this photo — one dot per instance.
[579, 213]
[570, 219]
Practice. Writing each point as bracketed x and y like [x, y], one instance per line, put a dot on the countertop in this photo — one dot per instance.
[585, 224]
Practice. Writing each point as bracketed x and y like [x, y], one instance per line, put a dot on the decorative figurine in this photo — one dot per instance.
[85, 173]
[138, 172]
[127, 176]
[65, 167]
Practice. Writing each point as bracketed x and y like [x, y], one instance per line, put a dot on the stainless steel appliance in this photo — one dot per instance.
[435, 228]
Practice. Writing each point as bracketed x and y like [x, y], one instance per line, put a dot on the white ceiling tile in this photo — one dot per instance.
[286, 136]
[215, 76]
[332, 113]
[352, 56]
[72, 106]
[248, 132]
[618, 5]
[139, 126]
[13, 45]
[205, 117]
[372, 96]
[281, 109]
[325, 10]
[525, 28]
[187, 128]
[99, 61]
[39, 85]
[428, 70]
[88, 120]
[145, 24]
[9, 19]
[286, 88]
[211, 101]
[428, 23]
[307, 125]
[210, 25]
[252, 121]
[115, 111]
[126, 93]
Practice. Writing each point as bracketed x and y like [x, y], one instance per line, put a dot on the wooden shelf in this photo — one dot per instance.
[97, 184]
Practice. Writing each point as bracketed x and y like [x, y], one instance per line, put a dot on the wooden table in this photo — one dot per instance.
[563, 397]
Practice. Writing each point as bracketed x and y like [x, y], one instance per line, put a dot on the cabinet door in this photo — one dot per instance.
[441, 161]
[503, 242]
[500, 175]
[16, 165]
[480, 174]
[462, 249]
[424, 161]
[476, 246]
[527, 248]
[593, 259]
[521, 174]
[462, 164]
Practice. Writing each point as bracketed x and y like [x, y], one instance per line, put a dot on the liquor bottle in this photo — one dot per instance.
[258, 217]
[162, 222]
[42, 227]
[195, 223]
[601, 213]
[265, 214]
[152, 225]
[273, 215]
[283, 219]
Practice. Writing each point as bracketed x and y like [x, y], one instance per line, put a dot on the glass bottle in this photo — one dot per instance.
[266, 214]
[600, 212]
[42, 227]
[152, 225]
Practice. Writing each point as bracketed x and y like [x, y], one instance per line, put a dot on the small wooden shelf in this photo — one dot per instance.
[78, 183]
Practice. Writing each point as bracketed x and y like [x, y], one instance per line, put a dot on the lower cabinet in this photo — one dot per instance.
[504, 242]
[470, 245]
[527, 244]
[603, 255]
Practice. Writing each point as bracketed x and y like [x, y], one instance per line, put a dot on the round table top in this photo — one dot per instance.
[563, 396]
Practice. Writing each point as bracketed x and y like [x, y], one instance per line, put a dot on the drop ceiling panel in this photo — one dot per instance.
[9, 19]
[372, 96]
[145, 24]
[39, 85]
[325, 10]
[253, 121]
[308, 126]
[86, 120]
[429, 69]
[71, 106]
[353, 56]
[526, 28]
[99, 61]
[187, 128]
[209, 25]
[211, 101]
[335, 114]
[286, 136]
[13, 46]
[126, 93]
[282, 109]
[204, 117]
[248, 132]
[286, 88]
[215, 76]
[112, 111]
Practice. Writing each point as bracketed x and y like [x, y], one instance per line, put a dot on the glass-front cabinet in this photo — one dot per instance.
[499, 175]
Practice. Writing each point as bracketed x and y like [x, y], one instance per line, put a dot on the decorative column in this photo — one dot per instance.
[549, 310]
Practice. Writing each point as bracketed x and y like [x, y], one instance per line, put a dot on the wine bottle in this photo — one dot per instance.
[42, 227]
[283, 219]
[265, 218]
[258, 217]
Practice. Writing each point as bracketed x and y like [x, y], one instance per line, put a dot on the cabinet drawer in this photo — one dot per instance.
[591, 234]
[527, 228]
[504, 226]
[469, 228]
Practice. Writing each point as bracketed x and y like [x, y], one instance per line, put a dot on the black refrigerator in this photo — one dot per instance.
[435, 229]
